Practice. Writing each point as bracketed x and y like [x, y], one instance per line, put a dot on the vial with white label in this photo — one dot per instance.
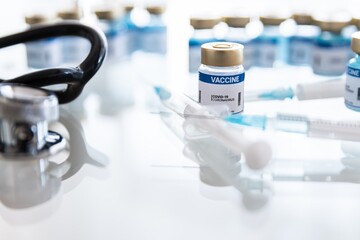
[154, 34]
[74, 49]
[221, 75]
[270, 44]
[237, 32]
[43, 53]
[112, 24]
[203, 32]
[331, 47]
[352, 88]
[302, 42]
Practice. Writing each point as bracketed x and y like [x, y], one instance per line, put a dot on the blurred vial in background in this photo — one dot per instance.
[331, 48]
[154, 34]
[74, 49]
[301, 43]
[203, 32]
[111, 23]
[237, 32]
[271, 46]
[133, 32]
[114, 82]
[43, 53]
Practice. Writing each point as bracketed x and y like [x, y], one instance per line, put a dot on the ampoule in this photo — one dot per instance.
[43, 53]
[352, 88]
[237, 33]
[331, 48]
[221, 75]
[302, 42]
[203, 32]
[74, 49]
[270, 44]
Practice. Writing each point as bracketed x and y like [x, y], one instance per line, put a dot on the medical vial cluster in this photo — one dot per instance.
[321, 42]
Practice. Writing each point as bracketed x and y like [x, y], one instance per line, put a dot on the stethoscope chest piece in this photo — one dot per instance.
[25, 114]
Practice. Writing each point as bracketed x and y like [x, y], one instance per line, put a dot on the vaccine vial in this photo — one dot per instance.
[43, 53]
[331, 47]
[112, 24]
[221, 75]
[74, 49]
[301, 44]
[203, 32]
[237, 33]
[133, 35]
[154, 34]
[270, 45]
[352, 88]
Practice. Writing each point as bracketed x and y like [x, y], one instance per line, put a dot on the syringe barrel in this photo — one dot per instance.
[327, 89]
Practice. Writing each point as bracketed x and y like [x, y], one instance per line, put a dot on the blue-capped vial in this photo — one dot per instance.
[301, 43]
[154, 34]
[43, 53]
[74, 48]
[331, 47]
[270, 45]
[352, 88]
[221, 75]
[111, 23]
[237, 32]
[203, 32]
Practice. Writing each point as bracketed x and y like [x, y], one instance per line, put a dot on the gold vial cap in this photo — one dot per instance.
[204, 23]
[236, 21]
[156, 10]
[36, 19]
[71, 14]
[128, 7]
[272, 20]
[355, 42]
[332, 23]
[302, 18]
[107, 14]
[222, 54]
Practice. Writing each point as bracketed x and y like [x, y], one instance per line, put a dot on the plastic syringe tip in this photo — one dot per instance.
[162, 93]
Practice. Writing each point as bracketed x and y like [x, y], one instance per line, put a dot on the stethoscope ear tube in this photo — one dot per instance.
[74, 77]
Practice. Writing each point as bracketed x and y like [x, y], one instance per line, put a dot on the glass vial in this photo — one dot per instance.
[74, 49]
[112, 24]
[331, 48]
[203, 32]
[154, 34]
[221, 75]
[237, 33]
[42, 53]
[302, 42]
[352, 88]
[270, 45]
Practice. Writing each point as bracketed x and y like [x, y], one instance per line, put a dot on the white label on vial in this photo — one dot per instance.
[43, 54]
[300, 51]
[330, 60]
[266, 54]
[222, 90]
[352, 88]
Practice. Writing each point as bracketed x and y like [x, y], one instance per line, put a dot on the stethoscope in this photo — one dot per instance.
[27, 108]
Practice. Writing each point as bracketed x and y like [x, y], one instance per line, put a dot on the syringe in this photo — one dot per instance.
[312, 127]
[305, 91]
[257, 153]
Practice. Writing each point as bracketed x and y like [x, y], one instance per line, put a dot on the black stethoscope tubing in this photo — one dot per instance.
[74, 77]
